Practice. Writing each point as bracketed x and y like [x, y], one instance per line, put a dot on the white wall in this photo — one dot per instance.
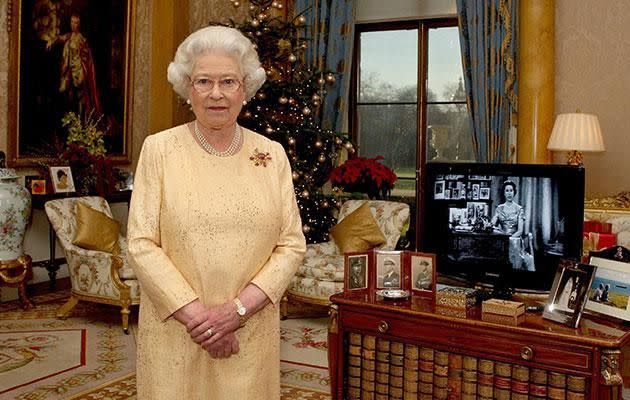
[379, 10]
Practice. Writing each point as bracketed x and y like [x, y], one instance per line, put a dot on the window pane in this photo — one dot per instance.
[448, 133]
[389, 66]
[444, 75]
[390, 131]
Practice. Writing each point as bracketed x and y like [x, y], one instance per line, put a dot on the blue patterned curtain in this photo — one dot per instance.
[487, 30]
[331, 28]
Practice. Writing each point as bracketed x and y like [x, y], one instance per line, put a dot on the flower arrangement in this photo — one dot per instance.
[86, 154]
[366, 175]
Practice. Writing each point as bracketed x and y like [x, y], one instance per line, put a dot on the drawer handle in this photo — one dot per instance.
[383, 326]
[527, 353]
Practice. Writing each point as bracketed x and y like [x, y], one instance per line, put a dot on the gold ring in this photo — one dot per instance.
[210, 333]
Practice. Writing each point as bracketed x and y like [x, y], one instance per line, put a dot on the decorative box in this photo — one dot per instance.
[597, 227]
[503, 319]
[456, 297]
[503, 307]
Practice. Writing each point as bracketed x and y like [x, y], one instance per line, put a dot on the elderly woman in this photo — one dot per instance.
[214, 235]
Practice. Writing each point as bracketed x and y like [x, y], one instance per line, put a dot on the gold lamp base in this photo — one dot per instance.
[574, 157]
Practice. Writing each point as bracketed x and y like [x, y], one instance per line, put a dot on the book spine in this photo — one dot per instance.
[576, 387]
[455, 367]
[396, 367]
[354, 367]
[485, 379]
[411, 372]
[502, 381]
[426, 373]
[556, 388]
[382, 369]
[440, 375]
[520, 382]
[368, 368]
[538, 384]
[469, 378]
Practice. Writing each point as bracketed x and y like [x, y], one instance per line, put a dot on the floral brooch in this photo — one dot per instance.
[260, 158]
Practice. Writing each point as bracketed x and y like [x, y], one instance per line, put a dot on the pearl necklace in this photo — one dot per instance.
[232, 148]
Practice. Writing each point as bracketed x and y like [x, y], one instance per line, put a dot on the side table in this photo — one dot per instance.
[15, 273]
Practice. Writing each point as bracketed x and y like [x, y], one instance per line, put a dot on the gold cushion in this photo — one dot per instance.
[96, 230]
[358, 231]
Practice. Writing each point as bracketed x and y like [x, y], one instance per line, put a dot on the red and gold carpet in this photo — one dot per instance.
[88, 356]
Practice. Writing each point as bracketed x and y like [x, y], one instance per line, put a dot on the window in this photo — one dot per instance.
[393, 116]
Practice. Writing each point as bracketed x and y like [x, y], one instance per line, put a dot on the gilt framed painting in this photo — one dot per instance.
[70, 55]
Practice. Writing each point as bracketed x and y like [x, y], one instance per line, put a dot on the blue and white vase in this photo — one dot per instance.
[15, 211]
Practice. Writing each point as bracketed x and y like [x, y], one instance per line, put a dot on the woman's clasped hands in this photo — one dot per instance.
[214, 328]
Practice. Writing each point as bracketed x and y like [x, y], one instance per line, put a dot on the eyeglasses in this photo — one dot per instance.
[226, 85]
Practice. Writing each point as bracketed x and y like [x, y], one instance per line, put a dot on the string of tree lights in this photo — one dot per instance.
[287, 109]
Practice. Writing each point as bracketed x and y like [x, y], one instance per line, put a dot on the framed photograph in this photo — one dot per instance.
[475, 191]
[37, 186]
[422, 271]
[389, 272]
[61, 178]
[484, 193]
[357, 270]
[569, 291]
[438, 193]
[447, 194]
[71, 55]
[609, 293]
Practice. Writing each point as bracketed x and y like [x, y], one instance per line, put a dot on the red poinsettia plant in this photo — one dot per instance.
[366, 175]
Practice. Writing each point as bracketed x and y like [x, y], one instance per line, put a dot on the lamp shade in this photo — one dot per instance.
[576, 131]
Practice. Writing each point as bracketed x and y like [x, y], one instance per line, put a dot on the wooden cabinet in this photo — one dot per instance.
[379, 349]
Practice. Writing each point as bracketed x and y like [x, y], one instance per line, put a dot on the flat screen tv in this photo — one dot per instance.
[503, 224]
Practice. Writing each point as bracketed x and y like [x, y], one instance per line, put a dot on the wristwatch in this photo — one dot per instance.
[241, 311]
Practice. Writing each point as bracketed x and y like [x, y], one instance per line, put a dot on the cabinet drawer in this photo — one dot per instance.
[507, 346]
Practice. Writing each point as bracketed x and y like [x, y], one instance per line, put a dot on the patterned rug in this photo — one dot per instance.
[88, 356]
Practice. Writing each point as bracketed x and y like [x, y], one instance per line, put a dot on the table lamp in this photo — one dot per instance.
[576, 133]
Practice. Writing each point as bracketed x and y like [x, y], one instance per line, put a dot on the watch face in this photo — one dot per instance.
[241, 311]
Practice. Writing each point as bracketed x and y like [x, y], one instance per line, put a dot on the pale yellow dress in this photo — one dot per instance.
[202, 226]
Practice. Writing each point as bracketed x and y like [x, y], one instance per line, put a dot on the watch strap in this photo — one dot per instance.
[241, 311]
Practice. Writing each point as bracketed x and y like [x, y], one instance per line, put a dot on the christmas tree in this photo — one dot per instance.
[286, 109]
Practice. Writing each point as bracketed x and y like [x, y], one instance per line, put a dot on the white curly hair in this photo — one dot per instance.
[219, 38]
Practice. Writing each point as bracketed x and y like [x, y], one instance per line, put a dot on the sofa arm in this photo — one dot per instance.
[95, 272]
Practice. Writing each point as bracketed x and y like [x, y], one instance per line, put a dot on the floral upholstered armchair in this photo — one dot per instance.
[321, 273]
[96, 276]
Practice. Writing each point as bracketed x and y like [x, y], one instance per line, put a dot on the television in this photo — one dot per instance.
[502, 225]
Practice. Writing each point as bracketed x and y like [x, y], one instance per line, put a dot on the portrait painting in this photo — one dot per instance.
[69, 56]
[62, 181]
[356, 271]
[569, 290]
[389, 269]
[422, 267]
[609, 293]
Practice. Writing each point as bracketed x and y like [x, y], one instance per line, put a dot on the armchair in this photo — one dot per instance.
[321, 273]
[95, 275]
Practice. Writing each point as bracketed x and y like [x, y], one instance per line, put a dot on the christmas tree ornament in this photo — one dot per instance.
[291, 100]
[306, 229]
[262, 16]
[338, 140]
[236, 4]
[325, 204]
[306, 111]
[255, 23]
[318, 143]
[301, 19]
[321, 158]
[252, 7]
[316, 104]
[269, 130]
[330, 78]
[283, 100]
[316, 97]
[292, 58]
[321, 81]
[295, 176]
[305, 194]
[291, 141]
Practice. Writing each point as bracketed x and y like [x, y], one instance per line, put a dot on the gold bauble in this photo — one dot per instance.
[291, 141]
[316, 97]
[269, 130]
[291, 100]
[236, 3]
[306, 111]
[252, 7]
[347, 145]
[283, 100]
[338, 140]
[318, 143]
[274, 4]
[330, 78]
[306, 229]
[301, 19]
[262, 16]
[295, 176]
[292, 58]
[305, 194]
[325, 204]
[279, 6]
[316, 103]
[255, 23]
[321, 158]
[321, 81]
[258, 33]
